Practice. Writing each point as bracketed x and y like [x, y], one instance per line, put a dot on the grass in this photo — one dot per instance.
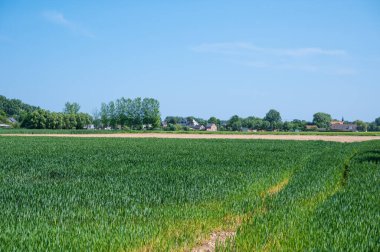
[49, 131]
[170, 194]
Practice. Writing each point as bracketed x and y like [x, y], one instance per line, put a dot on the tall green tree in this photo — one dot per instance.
[173, 119]
[151, 112]
[66, 121]
[214, 120]
[96, 118]
[113, 118]
[14, 107]
[137, 113]
[362, 126]
[37, 120]
[121, 111]
[377, 121]
[104, 115]
[375, 125]
[287, 126]
[201, 121]
[132, 113]
[129, 113]
[189, 120]
[252, 122]
[3, 116]
[274, 119]
[82, 120]
[60, 121]
[235, 123]
[322, 120]
[71, 108]
[299, 124]
[72, 121]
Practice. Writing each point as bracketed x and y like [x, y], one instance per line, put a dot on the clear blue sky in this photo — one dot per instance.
[203, 58]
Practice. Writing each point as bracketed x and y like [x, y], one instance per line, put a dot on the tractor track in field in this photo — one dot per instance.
[342, 139]
[222, 237]
[346, 169]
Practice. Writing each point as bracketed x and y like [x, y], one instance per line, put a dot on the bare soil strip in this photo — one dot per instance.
[215, 238]
[221, 237]
[342, 139]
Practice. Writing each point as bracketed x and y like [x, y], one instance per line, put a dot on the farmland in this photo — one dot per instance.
[170, 194]
[88, 132]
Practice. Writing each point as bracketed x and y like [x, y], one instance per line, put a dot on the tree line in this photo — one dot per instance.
[14, 107]
[138, 113]
[70, 118]
[271, 122]
[129, 114]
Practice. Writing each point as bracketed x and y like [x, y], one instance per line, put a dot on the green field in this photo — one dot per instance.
[51, 131]
[170, 194]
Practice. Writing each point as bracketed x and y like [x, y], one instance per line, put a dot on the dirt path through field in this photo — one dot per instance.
[343, 139]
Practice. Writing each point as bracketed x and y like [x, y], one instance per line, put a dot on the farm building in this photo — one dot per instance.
[12, 120]
[183, 122]
[344, 127]
[211, 127]
[89, 127]
[4, 126]
[192, 123]
[198, 127]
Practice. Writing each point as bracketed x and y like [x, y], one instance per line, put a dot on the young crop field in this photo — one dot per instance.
[102, 194]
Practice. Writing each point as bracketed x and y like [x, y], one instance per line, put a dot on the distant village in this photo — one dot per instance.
[192, 124]
[144, 114]
[335, 126]
[196, 126]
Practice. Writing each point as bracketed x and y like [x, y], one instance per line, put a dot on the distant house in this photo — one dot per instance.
[183, 122]
[198, 127]
[211, 127]
[12, 120]
[4, 126]
[344, 127]
[192, 123]
[89, 127]
[164, 124]
[341, 126]
[145, 126]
